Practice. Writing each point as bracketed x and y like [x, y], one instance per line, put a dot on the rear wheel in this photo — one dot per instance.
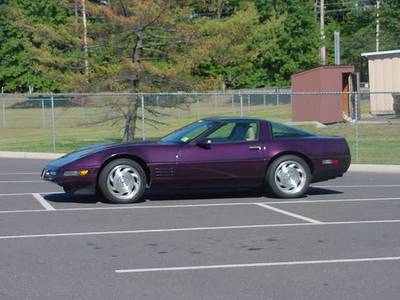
[288, 176]
[122, 181]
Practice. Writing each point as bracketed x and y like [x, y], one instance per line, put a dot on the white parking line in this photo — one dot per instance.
[267, 264]
[288, 213]
[24, 194]
[43, 201]
[333, 200]
[128, 207]
[356, 186]
[21, 181]
[21, 173]
[72, 234]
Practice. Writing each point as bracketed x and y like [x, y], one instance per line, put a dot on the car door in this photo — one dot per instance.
[232, 155]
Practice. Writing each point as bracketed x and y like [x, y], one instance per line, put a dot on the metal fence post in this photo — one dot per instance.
[82, 112]
[277, 97]
[158, 103]
[241, 105]
[248, 102]
[143, 132]
[357, 133]
[53, 124]
[43, 115]
[4, 114]
[178, 111]
[197, 108]
[233, 102]
[3, 108]
[214, 103]
[265, 100]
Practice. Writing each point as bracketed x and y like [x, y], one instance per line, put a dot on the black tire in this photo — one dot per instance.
[298, 166]
[135, 177]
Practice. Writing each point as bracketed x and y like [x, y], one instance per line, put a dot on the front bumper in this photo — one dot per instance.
[81, 185]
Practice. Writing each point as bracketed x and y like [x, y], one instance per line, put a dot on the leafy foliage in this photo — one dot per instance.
[286, 41]
[205, 44]
[38, 48]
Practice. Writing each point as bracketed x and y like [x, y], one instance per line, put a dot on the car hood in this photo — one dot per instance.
[82, 152]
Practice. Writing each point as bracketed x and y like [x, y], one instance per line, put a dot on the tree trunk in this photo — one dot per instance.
[130, 122]
[219, 8]
[131, 116]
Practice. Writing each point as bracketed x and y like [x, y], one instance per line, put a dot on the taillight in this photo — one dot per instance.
[333, 162]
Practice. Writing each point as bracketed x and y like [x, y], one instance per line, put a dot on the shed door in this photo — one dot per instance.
[346, 79]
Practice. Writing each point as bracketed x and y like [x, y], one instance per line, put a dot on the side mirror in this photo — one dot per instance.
[204, 143]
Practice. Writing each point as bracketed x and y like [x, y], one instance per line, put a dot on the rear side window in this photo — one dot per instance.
[284, 131]
[235, 132]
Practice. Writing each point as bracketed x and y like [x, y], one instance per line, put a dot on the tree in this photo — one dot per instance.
[38, 48]
[286, 41]
[212, 8]
[356, 21]
[140, 40]
[271, 8]
[221, 53]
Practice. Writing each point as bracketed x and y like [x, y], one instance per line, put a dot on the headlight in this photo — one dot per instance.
[47, 173]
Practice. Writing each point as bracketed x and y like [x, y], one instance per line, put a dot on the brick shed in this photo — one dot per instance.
[322, 108]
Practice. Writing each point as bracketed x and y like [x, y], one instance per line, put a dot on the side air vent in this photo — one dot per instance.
[164, 172]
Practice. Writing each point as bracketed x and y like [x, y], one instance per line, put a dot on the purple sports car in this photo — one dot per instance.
[216, 152]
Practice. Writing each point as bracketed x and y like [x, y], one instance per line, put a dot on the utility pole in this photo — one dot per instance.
[337, 47]
[322, 29]
[85, 39]
[378, 2]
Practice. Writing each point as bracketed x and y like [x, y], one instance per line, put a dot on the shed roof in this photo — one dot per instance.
[323, 67]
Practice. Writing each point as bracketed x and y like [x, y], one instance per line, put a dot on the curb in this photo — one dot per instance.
[353, 167]
[374, 168]
[30, 155]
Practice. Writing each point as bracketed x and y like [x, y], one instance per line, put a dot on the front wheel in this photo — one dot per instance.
[288, 176]
[122, 181]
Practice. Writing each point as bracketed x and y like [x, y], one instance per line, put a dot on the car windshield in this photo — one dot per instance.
[188, 133]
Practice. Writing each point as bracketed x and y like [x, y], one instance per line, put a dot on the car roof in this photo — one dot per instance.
[233, 119]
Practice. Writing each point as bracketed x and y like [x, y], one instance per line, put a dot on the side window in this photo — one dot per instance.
[235, 132]
[283, 131]
[222, 134]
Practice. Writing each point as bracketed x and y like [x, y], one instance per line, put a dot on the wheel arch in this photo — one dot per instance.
[135, 158]
[296, 153]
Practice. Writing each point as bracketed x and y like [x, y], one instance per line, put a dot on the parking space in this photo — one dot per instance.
[349, 210]
[341, 241]
[18, 202]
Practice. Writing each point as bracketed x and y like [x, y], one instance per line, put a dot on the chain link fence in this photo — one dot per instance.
[64, 122]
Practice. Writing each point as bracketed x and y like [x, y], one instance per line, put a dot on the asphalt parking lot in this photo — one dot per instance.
[341, 241]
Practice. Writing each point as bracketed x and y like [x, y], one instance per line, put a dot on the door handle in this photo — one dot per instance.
[255, 148]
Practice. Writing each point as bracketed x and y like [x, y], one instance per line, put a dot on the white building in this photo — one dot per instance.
[384, 76]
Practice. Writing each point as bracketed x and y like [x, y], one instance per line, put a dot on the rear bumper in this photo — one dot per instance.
[325, 172]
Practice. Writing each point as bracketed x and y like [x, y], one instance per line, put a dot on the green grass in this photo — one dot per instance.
[378, 143]
[30, 129]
